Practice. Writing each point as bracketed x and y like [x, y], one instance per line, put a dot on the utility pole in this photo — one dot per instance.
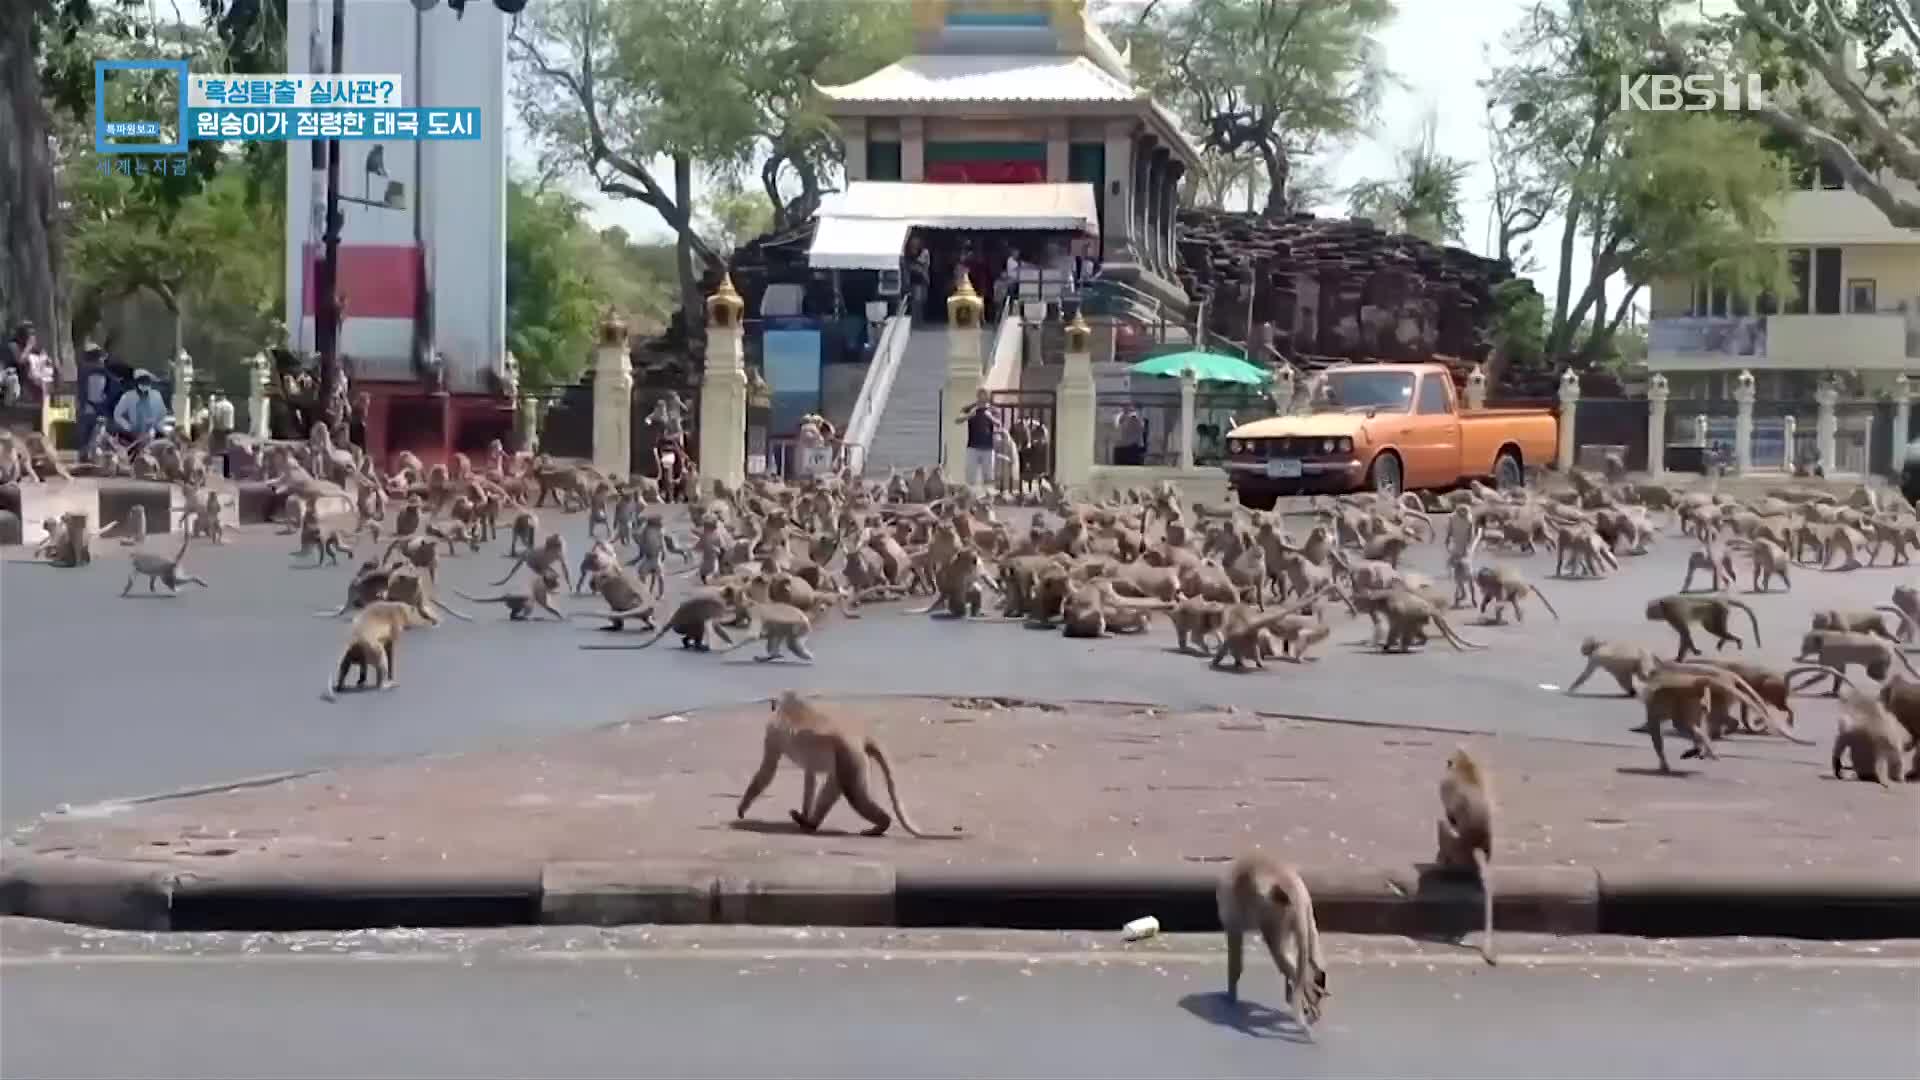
[326, 328]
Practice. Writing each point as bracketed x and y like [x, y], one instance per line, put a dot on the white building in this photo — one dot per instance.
[436, 266]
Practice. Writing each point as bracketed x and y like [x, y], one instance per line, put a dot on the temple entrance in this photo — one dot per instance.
[1050, 257]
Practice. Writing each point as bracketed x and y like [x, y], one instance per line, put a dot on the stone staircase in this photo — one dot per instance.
[909, 432]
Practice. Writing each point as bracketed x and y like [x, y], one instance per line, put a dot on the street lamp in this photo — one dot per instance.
[327, 321]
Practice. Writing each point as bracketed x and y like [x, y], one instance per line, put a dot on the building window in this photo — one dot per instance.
[1862, 296]
[1800, 271]
[1826, 281]
[883, 161]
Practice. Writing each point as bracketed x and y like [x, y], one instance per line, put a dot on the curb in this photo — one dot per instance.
[1411, 901]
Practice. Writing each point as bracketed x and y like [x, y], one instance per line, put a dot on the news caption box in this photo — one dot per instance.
[280, 125]
[150, 129]
[295, 92]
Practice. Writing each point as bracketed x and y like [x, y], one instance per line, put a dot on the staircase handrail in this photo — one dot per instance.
[864, 421]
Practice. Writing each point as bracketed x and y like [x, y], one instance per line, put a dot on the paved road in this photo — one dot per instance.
[102, 697]
[704, 1002]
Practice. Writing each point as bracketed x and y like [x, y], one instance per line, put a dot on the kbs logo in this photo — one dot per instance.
[1691, 93]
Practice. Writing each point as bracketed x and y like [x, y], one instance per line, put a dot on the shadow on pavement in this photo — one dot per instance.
[1245, 1017]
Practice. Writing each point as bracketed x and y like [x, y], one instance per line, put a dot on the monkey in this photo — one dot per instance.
[520, 606]
[1682, 695]
[624, 599]
[1902, 698]
[203, 519]
[370, 645]
[1769, 685]
[1094, 609]
[1460, 569]
[408, 585]
[75, 547]
[1769, 561]
[1865, 622]
[1716, 561]
[324, 544]
[369, 584]
[960, 586]
[1623, 660]
[550, 555]
[54, 541]
[455, 534]
[411, 517]
[1839, 649]
[1868, 733]
[1243, 632]
[1711, 610]
[1297, 634]
[1195, 619]
[655, 543]
[1504, 587]
[1907, 599]
[132, 529]
[1259, 892]
[780, 624]
[703, 610]
[821, 742]
[1464, 830]
[599, 557]
[1408, 615]
[162, 571]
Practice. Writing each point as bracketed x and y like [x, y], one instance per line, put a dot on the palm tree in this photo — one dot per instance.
[1423, 195]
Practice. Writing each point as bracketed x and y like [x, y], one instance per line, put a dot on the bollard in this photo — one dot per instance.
[117, 499]
[258, 504]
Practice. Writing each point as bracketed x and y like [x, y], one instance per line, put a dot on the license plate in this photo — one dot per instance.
[1283, 469]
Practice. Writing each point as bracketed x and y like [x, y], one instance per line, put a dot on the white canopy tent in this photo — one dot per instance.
[866, 226]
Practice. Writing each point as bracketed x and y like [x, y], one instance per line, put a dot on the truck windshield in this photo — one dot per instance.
[1388, 391]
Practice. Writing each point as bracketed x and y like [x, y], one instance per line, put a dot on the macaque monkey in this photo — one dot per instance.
[325, 545]
[1769, 561]
[1195, 620]
[55, 539]
[822, 742]
[132, 530]
[1464, 830]
[160, 570]
[521, 606]
[780, 624]
[1839, 649]
[1716, 561]
[1623, 660]
[1504, 587]
[1865, 622]
[1262, 893]
[1902, 698]
[1712, 611]
[702, 611]
[1682, 695]
[961, 586]
[1407, 615]
[1869, 735]
[550, 555]
[370, 644]
[203, 520]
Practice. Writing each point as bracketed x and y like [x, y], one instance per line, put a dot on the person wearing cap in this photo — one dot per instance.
[140, 411]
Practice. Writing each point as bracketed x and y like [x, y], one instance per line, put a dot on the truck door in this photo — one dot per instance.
[1432, 439]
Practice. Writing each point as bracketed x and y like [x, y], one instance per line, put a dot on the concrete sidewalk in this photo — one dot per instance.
[1046, 816]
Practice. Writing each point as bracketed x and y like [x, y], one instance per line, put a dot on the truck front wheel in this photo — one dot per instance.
[1384, 475]
[1507, 473]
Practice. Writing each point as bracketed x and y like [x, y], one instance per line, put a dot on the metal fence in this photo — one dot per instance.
[1028, 416]
[1620, 422]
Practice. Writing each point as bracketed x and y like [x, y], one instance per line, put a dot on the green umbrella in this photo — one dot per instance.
[1207, 367]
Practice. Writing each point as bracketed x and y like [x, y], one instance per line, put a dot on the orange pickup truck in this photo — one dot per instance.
[1390, 428]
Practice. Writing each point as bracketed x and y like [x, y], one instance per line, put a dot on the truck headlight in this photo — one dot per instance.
[1346, 445]
[1236, 446]
[1326, 446]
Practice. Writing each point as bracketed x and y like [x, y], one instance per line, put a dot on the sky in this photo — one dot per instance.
[1437, 49]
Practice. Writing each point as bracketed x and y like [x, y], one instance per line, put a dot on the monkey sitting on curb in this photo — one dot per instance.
[1464, 830]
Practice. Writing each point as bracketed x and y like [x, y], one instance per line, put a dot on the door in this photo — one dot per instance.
[1431, 439]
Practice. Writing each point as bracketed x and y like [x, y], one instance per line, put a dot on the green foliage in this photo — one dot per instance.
[1652, 194]
[1519, 328]
[1278, 79]
[735, 216]
[552, 303]
[1422, 197]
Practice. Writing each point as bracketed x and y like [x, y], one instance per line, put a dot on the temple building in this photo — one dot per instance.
[1031, 97]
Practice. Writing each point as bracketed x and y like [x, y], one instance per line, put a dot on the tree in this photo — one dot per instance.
[1423, 195]
[552, 304]
[1860, 118]
[47, 49]
[1652, 193]
[1524, 193]
[1276, 79]
[734, 216]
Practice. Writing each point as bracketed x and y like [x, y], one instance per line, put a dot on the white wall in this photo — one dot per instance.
[458, 197]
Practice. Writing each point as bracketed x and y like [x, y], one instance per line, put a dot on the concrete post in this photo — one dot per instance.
[1700, 429]
[1827, 424]
[1902, 417]
[1569, 406]
[261, 371]
[612, 399]
[1789, 431]
[526, 423]
[1657, 392]
[1477, 388]
[1189, 387]
[1283, 384]
[1743, 423]
[723, 390]
[1074, 410]
[964, 312]
[182, 404]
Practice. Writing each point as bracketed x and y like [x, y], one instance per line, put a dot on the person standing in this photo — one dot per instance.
[1130, 437]
[139, 412]
[982, 427]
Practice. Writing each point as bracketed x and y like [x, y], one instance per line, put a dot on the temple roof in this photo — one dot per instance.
[975, 78]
